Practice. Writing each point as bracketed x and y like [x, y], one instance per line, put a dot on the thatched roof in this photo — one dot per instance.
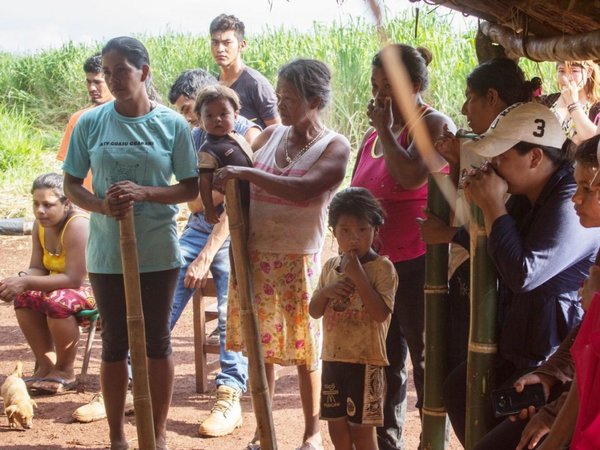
[539, 29]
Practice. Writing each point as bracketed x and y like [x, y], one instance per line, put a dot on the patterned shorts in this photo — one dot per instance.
[58, 304]
[353, 391]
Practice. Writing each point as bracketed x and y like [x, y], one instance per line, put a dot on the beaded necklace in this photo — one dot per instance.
[303, 150]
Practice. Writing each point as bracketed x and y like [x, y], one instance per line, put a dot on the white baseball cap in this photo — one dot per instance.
[529, 122]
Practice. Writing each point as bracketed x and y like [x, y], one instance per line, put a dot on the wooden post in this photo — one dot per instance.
[436, 313]
[142, 401]
[241, 261]
[482, 334]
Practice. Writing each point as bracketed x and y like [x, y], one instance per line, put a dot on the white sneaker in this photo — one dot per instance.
[94, 410]
[226, 414]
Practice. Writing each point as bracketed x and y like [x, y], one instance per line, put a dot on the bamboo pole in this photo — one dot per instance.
[482, 334]
[258, 379]
[436, 313]
[142, 401]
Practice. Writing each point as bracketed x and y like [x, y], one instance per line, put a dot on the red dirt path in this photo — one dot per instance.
[54, 429]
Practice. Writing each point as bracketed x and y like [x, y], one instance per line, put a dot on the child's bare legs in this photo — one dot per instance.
[310, 391]
[364, 437]
[339, 431]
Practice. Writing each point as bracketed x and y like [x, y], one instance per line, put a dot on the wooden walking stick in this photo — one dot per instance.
[436, 312]
[482, 334]
[259, 388]
[137, 335]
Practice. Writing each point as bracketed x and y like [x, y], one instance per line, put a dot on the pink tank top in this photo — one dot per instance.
[399, 236]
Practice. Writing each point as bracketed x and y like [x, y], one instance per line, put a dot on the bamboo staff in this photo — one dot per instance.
[142, 401]
[482, 334]
[241, 261]
[436, 312]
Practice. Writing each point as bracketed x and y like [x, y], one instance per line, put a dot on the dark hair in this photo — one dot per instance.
[587, 152]
[135, 52]
[310, 77]
[224, 22]
[357, 202]
[215, 92]
[506, 77]
[52, 181]
[558, 156]
[415, 60]
[93, 64]
[189, 82]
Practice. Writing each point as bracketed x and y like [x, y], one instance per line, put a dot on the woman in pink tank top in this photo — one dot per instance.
[390, 166]
[297, 168]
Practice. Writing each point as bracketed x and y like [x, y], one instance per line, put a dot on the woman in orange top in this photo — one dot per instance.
[49, 294]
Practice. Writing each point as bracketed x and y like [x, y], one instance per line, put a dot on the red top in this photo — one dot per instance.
[399, 236]
[586, 354]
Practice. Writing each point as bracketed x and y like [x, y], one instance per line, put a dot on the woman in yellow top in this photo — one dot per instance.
[54, 288]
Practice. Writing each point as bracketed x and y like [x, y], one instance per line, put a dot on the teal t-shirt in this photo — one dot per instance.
[147, 150]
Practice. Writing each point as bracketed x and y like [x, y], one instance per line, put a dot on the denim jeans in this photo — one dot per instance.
[234, 366]
[405, 336]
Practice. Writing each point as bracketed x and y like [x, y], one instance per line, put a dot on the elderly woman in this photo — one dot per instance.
[390, 166]
[134, 147]
[297, 167]
[540, 250]
[54, 288]
[577, 105]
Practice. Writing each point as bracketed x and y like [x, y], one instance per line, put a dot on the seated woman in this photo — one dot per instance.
[54, 289]
[540, 250]
[580, 416]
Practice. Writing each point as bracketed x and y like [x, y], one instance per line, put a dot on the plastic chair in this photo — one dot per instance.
[92, 315]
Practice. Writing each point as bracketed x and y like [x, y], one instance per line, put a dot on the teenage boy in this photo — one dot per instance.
[99, 94]
[227, 43]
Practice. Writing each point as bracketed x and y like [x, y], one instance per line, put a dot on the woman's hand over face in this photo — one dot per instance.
[569, 90]
[379, 111]
[485, 187]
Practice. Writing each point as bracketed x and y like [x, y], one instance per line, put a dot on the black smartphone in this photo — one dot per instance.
[508, 401]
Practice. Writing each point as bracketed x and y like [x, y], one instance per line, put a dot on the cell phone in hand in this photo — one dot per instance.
[507, 401]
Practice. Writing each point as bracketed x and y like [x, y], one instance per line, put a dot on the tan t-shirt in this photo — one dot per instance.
[351, 335]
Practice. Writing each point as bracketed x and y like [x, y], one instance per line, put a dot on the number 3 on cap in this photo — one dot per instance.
[540, 129]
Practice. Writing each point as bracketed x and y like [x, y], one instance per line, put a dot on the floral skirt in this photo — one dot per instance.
[283, 285]
[58, 304]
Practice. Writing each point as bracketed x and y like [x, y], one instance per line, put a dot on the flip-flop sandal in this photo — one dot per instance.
[61, 385]
[252, 446]
[30, 380]
[307, 446]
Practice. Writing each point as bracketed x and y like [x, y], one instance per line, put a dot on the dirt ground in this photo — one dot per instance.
[54, 429]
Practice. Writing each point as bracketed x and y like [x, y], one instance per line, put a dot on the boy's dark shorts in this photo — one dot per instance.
[353, 391]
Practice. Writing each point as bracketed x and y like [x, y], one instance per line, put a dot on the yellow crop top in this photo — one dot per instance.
[56, 263]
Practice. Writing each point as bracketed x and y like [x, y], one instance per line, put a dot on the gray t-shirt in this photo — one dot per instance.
[257, 96]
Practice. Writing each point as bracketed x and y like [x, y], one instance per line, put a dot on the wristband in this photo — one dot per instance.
[573, 106]
[22, 273]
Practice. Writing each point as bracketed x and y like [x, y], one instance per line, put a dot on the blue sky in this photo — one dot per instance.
[29, 25]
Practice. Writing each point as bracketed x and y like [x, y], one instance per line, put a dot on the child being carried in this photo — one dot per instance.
[217, 107]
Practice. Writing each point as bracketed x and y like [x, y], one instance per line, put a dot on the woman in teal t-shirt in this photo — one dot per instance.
[134, 147]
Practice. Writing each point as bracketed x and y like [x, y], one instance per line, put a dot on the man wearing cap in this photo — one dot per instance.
[541, 252]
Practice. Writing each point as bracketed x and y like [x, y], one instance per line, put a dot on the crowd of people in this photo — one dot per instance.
[529, 162]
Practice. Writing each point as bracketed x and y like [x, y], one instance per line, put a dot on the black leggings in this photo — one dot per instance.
[157, 290]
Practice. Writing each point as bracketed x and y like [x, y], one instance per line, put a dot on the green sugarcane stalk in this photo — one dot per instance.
[436, 308]
[482, 334]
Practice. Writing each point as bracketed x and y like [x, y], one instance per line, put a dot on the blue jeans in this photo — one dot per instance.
[234, 366]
